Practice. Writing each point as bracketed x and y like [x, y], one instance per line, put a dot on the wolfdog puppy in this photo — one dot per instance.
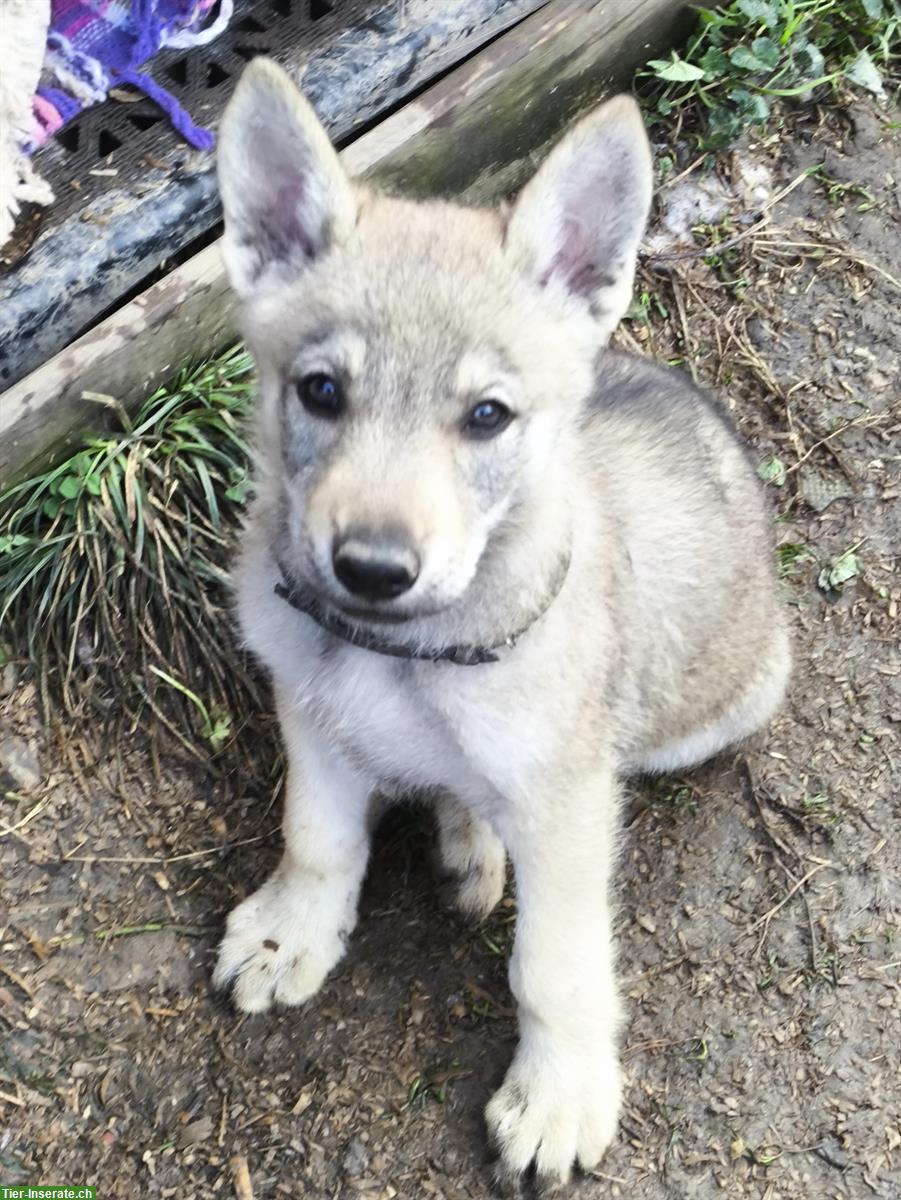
[488, 560]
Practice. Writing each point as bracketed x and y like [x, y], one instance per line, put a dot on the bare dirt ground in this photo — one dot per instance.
[760, 896]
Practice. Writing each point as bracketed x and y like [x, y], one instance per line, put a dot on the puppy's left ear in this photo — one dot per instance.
[579, 220]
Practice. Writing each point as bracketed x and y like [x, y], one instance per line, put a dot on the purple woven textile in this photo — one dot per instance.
[93, 45]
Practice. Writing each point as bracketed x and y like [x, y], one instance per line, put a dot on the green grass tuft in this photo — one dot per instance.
[112, 562]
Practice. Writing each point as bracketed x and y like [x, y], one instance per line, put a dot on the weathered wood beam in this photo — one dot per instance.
[475, 135]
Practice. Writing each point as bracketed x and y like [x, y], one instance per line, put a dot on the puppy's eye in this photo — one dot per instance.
[487, 419]
[321, 395]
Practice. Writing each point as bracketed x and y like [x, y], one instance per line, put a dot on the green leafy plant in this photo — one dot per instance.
[840, 193]
[112, 561]
[772, 470]
[747, 54]
[791, 558]
[840, 571]
[432, 1084]
[642, 306]
[216, 722]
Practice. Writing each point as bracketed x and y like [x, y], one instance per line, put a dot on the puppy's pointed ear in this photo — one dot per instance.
[579, 221]
[285, 196]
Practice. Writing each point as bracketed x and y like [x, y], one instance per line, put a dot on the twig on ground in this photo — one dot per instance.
[836, 249]
[788, 850]
[768, 916]
[94, 858]
[686, 335]
[241, 1177]
[866, 419]
[684, 174]
[6, 830]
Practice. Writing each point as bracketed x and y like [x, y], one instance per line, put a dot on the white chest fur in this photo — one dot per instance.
[475, 730]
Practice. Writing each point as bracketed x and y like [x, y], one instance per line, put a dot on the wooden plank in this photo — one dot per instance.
[476, 134]
[480, 132]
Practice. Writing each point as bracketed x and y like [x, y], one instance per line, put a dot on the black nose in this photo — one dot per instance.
[376, 566]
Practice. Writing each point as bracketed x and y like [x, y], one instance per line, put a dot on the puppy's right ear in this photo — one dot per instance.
[285, 195]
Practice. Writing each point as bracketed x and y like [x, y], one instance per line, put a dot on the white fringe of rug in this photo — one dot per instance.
[24, 24]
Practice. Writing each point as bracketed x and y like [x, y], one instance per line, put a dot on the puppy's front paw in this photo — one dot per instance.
[558, 1105]
[282, 941]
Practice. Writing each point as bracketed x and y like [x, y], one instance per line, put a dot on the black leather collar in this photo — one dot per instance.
[305, 601]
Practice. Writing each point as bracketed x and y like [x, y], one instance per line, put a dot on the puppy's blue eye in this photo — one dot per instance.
[321, 395]
[487, 419]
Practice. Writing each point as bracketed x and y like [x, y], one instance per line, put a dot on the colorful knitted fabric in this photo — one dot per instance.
[93, 45]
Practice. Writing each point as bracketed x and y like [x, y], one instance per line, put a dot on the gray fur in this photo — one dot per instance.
[666, 643]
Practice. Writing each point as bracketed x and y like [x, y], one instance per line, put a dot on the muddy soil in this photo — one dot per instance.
[759, 896]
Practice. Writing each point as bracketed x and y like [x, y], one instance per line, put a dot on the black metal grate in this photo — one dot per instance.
[128, 137]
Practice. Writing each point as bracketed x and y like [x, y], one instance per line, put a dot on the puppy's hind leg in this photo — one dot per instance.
[472, 855]
[752, 710]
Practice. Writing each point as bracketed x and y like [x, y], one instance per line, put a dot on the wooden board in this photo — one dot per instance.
[476, 135]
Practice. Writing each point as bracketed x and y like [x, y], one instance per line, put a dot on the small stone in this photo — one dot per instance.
[876, 381]
[646, 923]
[198, 1131]
[356, 1158]
[19, 761]
[830, 1151]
